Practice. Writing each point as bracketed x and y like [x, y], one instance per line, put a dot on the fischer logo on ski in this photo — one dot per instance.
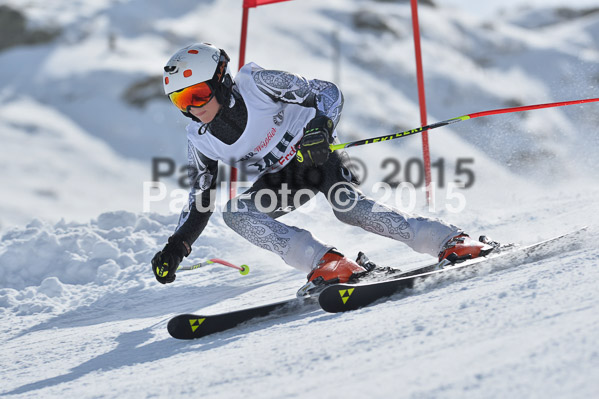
[195, 323]
[344, 297]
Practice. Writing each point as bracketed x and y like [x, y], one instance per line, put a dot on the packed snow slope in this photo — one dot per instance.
[82, 115]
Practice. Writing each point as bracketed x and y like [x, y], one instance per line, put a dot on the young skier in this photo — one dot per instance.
[279, 126]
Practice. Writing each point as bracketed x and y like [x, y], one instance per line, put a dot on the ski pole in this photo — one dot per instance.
[421, 129]
[243, 269]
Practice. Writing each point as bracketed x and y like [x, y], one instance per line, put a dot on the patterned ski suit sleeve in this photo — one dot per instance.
[202, 172]
[295, 89]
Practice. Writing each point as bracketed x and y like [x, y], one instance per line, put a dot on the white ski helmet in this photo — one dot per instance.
[197, 63]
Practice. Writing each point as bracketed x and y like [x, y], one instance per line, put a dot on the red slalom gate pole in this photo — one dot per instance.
[422, 100]
[244, 31]
[247, 4]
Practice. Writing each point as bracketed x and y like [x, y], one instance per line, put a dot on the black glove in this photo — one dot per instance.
[166, 262]
[313, 148]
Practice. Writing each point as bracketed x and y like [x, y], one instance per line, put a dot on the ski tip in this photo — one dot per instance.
[174, 327]
[185, 326]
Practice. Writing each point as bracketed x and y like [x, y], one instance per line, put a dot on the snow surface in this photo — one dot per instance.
[81, 314]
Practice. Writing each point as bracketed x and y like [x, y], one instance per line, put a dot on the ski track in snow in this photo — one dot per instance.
[82, 316]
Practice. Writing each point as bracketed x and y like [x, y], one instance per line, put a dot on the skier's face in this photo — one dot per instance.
[206, 113]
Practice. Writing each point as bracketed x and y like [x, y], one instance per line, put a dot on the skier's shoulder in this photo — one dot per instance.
[248, 70]
[262, 85]
[246, 74]
[245, 80]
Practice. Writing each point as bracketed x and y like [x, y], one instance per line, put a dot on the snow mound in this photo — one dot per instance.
[49, 268]
[70, 253]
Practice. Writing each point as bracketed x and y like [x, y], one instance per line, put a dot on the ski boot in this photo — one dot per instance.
[333, 268]
[462, 247]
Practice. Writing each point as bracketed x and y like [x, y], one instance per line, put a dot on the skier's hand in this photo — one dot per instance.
[313, 148]
[166, 262]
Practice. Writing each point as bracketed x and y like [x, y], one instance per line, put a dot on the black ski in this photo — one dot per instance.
[191, 326]
[344, 297]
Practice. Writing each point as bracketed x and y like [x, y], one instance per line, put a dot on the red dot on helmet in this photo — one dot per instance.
[193, 51]
[166, 80]
[187, 73]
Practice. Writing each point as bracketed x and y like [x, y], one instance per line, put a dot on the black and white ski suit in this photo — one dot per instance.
[257, 132]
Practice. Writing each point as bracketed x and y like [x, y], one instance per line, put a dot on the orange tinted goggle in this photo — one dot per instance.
[193, 96]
